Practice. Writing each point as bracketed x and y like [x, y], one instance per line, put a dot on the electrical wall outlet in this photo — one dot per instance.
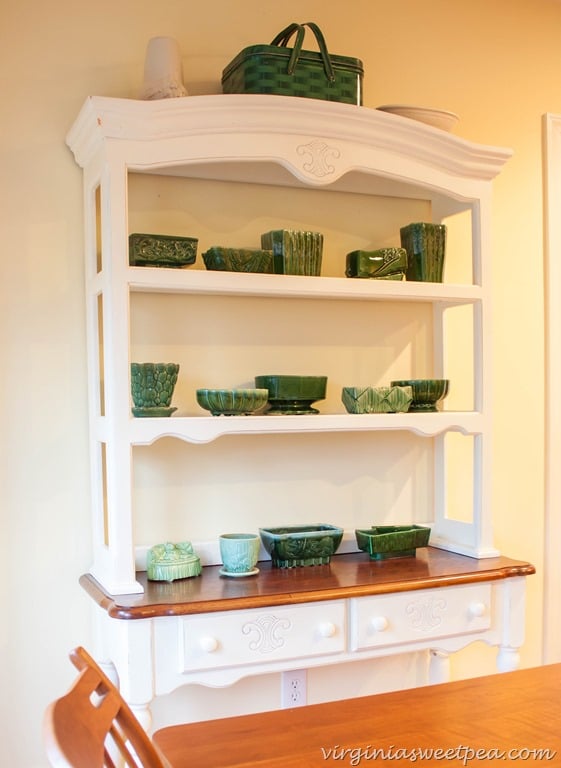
[293, 688]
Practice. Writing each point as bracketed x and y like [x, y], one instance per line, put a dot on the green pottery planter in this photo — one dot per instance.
[152, 386]
[388, 541]
[301, 545]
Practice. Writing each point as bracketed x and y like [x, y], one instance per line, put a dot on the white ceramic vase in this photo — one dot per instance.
[163, 72]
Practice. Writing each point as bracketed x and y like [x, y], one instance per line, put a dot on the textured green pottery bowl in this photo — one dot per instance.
[301, 545]
[377, 399]
[232, 402]
[427, 393]
[293, 394]
[161, 250]
[238, 259]
[386, 541]
[152, 386]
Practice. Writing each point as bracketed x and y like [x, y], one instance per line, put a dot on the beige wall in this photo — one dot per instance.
[497, 64]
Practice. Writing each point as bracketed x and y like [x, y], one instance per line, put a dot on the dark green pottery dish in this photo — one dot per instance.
[387, 541]
[292, 395]
[301, 545]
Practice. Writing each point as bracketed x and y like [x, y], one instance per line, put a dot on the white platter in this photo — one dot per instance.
[438, 118]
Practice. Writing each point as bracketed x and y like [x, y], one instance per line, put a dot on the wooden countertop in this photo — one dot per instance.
[510, 717]
[348, 575]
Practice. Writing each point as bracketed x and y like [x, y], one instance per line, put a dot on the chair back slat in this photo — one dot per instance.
[92, 726]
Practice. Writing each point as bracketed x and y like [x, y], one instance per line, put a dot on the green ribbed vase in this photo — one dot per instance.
[426, 249]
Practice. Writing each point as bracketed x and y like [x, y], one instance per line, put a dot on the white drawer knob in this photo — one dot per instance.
[477, 609]
[379, 623]
[327, 629]
[208, 644]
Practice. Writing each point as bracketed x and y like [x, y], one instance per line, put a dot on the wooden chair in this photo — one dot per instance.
[93, 727]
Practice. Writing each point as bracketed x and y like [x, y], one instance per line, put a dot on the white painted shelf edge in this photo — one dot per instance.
[154, 280]
[204, 429]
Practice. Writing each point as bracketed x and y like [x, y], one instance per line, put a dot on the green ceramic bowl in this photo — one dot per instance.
[293, 394]
[232, 402]
[386, 541]
[299, 545]
[427, 393]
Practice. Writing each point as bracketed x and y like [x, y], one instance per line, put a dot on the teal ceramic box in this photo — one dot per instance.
[169, 561]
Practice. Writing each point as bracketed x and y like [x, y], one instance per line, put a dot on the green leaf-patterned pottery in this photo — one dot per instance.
[301, 545]
[377, 399]
[239, 553]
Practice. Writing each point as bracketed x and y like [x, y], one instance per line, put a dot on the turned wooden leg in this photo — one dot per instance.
[508, 659]
[439, 667]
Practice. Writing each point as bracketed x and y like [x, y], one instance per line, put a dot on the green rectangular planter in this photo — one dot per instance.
[386, 541]
[299, 545]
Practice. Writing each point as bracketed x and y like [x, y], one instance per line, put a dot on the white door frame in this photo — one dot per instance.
[552, 299]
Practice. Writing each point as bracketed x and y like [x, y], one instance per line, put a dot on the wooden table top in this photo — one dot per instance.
[507, 716]
[348, 575]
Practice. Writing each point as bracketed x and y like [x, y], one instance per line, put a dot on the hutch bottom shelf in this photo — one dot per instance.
[212, 630]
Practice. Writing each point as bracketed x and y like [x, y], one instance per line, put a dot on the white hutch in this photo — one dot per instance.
[238, 165]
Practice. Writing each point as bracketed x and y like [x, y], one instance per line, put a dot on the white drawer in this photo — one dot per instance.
[419, 616]
[232, 638]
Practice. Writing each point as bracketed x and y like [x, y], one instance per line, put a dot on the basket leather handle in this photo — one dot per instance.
[284, 37]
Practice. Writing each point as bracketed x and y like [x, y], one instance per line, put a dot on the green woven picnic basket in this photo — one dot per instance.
[284, 71]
